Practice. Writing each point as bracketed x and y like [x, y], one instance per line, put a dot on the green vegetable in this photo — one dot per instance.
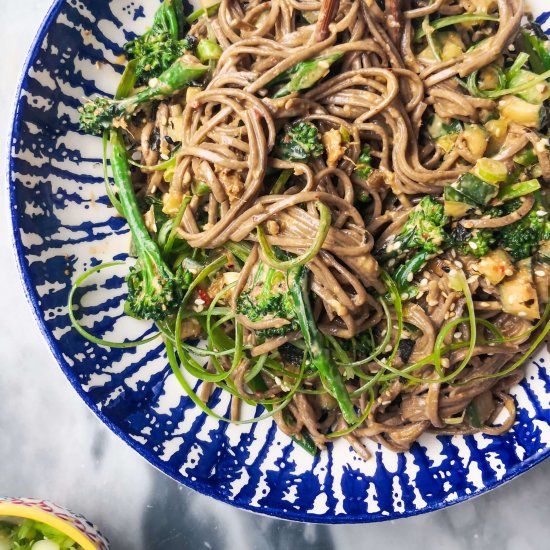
[527, 157]
[156, 50]
[468, 18]
[319, 354]
[98, 115]
[523, 238]
[517, 66]
[210, 11]
[209, 50]
[300, 142]
[363, 168]
[304, 75]
[450, 194]
[491, 171]
[268, 298]
[439, 127]
[475, 190]
[519, 189]
[476, 242]
[424, 228]
[535, 45]
[422, 237]
[154, 292]
[23, 536]
[404, 274]
[533, 94]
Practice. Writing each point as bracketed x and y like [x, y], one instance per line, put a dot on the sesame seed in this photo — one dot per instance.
[447, 315]
[410, 277]
[542, 213]
[457, 335]
[472, 279]
[404, 296]
[420, 294]
[540, 273]
[473, 245]
[484, 304]
[458, 264]
[509, 272]
[391, 262]
[452, 308]
[397, 245]
[522, 314]
[388, 348]
[424, 282]
[512, 48]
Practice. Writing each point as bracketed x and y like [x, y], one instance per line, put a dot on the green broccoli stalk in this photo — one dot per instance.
[100, 114]
[268, 299]
[363, 168]
[154, 292]
[300, 142]
[276, 295]
[304, 75]
[319, 353]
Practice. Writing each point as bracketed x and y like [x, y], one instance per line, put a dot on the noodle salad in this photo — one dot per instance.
[339, 209]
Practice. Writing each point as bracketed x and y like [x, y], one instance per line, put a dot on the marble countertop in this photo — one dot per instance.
[53, 447]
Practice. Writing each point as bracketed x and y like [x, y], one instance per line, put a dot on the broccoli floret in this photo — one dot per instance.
[268, 298]
[522, 238]
[154, 291]
[154, 53]
[476, 242]
[301, 142]
[100, 114]
[162, 44]
[424, 229]
[363, 168]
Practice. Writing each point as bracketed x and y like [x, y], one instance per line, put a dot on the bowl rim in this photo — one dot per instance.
[207, 490]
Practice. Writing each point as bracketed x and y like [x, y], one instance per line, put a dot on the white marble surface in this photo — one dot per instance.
[52, 447]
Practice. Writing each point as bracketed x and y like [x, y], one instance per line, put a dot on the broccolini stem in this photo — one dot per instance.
[314, 341]
[121, 173]
[305, 74]
[169, 82]
[98, 115]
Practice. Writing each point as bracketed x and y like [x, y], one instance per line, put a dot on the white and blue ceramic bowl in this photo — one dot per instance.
[62, 226]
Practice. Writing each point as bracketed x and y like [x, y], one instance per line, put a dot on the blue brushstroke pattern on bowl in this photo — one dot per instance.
[63, 225]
